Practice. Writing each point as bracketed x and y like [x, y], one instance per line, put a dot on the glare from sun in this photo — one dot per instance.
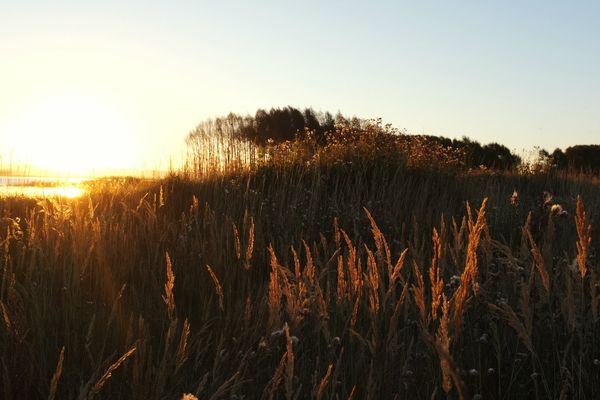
[70, 192]
[74, 134]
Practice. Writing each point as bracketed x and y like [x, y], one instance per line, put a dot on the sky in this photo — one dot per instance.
[89, 86]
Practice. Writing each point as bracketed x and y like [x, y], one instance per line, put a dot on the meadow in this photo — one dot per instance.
[351, 275]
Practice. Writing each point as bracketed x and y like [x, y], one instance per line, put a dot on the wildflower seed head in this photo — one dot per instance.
[557, 210]
[514, 198]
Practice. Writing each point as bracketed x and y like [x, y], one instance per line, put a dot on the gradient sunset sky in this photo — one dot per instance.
[121, 83]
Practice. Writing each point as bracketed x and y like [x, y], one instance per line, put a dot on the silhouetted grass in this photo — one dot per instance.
[362, 278]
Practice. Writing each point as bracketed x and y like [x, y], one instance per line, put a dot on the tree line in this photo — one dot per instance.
[581, 158]
[280, 125]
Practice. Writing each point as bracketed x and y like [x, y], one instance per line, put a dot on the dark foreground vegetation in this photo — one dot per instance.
[350, 269]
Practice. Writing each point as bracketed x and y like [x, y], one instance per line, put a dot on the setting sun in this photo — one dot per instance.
[75, 134]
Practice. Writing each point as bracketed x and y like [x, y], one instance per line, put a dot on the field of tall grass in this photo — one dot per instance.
[359, 279]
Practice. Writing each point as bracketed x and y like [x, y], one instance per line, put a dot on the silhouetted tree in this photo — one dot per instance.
[312, 123]
[493, 155]
[310, 120]
[261, 119]
[558, 159]
[585, 158]
[498, 156]
[327, 122]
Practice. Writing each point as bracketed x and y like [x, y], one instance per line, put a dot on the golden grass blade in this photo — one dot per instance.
[273, 385]
[274, 299]
[324, 382]
[57, 374]
[352, 393]
[396, 272]
[451, 367]
[168, 297]
[437, 284]
[380, 242]
[341, 281]
[5, 317]
[419, 295]
[108, 374]
[181, 355]
[218, 287]
[584, 237]
[538, 260]
[236, 240]
[250, 248]
[373, 281]
[469, 275]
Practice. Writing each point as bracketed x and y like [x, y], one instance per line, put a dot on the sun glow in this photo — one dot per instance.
[74, 134]
[69, 192]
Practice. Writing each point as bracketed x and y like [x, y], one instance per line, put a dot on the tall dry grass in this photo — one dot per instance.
[332, 281]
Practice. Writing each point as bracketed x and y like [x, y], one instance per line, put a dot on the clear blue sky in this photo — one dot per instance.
[521, 73]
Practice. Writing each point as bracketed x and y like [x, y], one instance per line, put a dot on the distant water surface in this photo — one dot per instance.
[33, 186]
